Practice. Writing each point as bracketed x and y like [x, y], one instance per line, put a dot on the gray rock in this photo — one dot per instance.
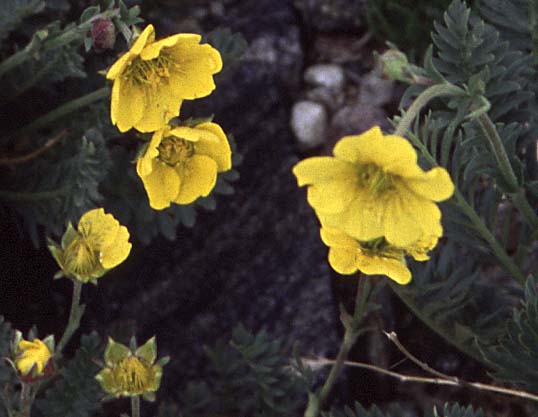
[331, 99]
[375, 91]
[355, 118]
[326, 75]
[309, 124]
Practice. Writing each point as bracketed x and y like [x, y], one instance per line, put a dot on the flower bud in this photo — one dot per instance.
[103, 34]
[33, 359]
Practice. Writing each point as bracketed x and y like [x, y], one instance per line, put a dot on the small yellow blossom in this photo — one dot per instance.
[100, 243]
[376, 257]
[373, 187]
[153, 77]
[30, 355]
[129, 373]
[181, 163]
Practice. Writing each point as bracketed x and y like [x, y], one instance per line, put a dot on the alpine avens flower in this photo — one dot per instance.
[373, 187]
[376, 257]
[131, 372]
[153, 77]
[99, 244]
[32, 357]
[181, 163]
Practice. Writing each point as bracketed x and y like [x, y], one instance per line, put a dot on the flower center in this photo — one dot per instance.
[149, 72]
[132, 376]
[380, 247]
[375, 179]
[80, 258]
[173, 150]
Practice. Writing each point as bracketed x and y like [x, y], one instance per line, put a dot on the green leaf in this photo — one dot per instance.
[76, 393]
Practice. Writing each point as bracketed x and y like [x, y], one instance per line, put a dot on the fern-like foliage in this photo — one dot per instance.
[515, 358]
[252, 377]
[5, 337]
[448, 410]
[59, 187]
[456, 410]
[76, 393]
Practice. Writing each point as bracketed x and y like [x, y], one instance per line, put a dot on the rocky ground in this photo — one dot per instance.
[307, 79]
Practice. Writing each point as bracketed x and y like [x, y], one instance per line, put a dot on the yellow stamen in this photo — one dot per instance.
[132, 376]
[173, 151]
[150, 72]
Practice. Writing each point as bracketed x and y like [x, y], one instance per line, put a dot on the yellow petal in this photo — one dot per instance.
[117, 68]
[350, 148]
[392, 268]
[214, 143]
[192, 75]
[343, 260]
[127, 104]
[144, 165]
[337, 239]
[363, 219]
[435, 184]
[146, 37]
[115, 253]
[321, 169]
[160, 105]
[162, 185]
[153, 50]
[408, 218]
[185, 132]
[198, 179]
[100, 228]
[333, 196]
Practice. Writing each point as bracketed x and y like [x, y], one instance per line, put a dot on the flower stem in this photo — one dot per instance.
[70, 35]
[437, 90]
[479, 225]
[135, 406]
[26, 399]
[517, 193]
[75, 314]
[65, 109]
[352, 332]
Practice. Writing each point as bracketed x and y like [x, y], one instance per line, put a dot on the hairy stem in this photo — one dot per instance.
[65, 109]
[76, 33]
[75, 314]
[135, 406]
[352, 332]
[518, 194]
[437, 90]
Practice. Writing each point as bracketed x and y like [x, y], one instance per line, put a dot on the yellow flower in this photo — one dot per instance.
[32, 355]
[181, 163]
[376, 257]
[129, 372]
[373, 187]
[153, 77]
[100, 243]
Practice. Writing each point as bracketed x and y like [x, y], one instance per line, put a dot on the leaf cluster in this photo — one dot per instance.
[514, 358]
[252, 376]
[448, 410]
[76, 393]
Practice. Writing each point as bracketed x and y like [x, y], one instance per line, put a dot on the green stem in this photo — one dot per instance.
[533, 25]
[437, 90]
[75, 314]
[352, 332]
[135, 406]
[473, 216]
[26, 399]
[499, 152]
[65, 109]
[33, 197]
[518, 194]
[408, 301]
[70, 35]
[489, 237]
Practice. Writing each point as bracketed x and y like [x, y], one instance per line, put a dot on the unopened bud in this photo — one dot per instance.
[103, 34]
[394, 65]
